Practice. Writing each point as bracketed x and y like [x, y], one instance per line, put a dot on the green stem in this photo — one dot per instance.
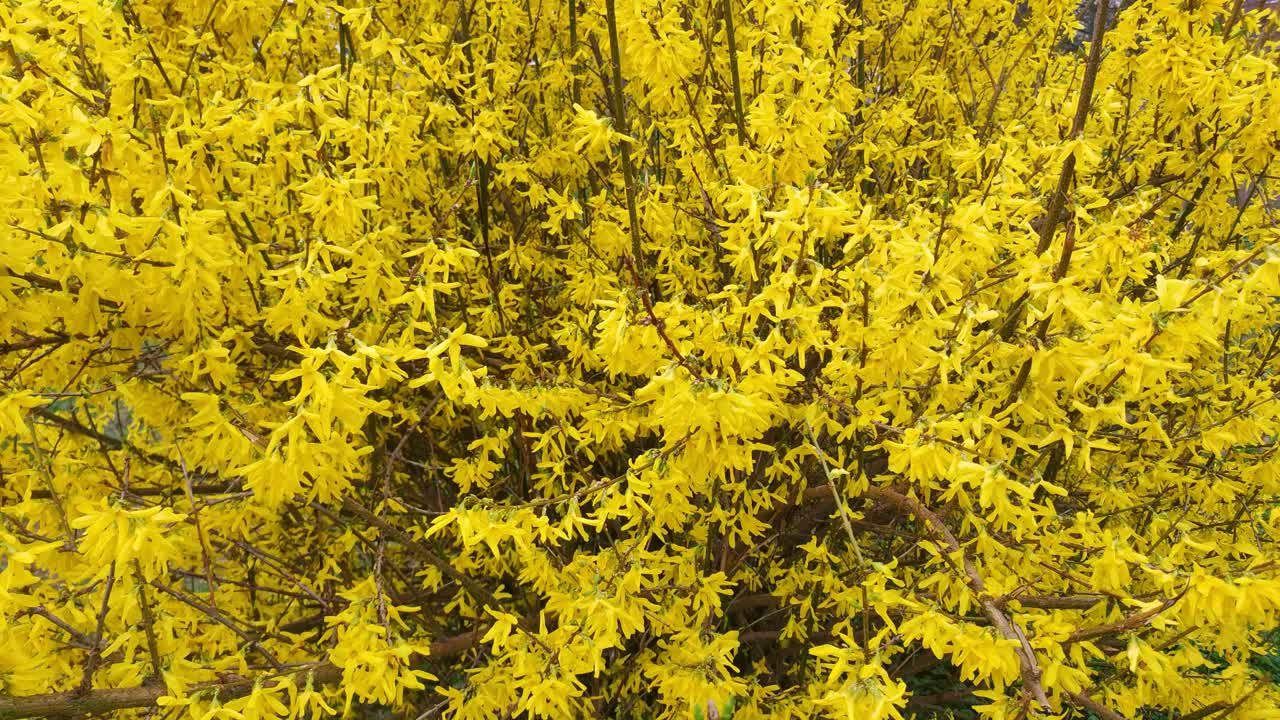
[620, 117]
[731, 36]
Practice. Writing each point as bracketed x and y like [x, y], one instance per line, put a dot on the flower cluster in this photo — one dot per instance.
[860, 359]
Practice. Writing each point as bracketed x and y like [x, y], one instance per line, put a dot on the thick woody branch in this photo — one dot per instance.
[1059, 602]
[74, 703]
[1058, 201]
[1128, 624]
[226, 488]
[1007, 628]
[32, 342]
[1097, 708]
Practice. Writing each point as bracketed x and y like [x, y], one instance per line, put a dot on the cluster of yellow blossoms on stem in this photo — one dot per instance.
[859, 359]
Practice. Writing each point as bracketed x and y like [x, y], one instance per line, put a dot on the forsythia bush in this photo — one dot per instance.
[639, 359]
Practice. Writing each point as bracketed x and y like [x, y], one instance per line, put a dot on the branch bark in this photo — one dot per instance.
[1058, 201]
[74, 703]
[1007, 628]
[1128, 624]
[1097, 708]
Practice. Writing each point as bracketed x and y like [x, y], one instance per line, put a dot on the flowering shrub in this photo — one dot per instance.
[553, 359]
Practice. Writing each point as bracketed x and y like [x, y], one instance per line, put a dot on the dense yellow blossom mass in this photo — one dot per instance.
[859, 359]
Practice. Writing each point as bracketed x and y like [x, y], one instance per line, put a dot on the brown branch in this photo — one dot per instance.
[1058, 201]
[764, 637]
[46, 466]
[195, 518]
[76, 636]
[1059, 602]
[1206, 711]
[68, 704]
[33, 342]
[219, 618]
[48, 283]
[95, 652]
[1064, 261]
[111, 443]
[620, 117]
[226, 489]
[149, 627]
[75, 427]
[34, 280]
[599, 485]
[73, 703]
[1057, 207]
[1007, 628]
[1097, 708]
[1133, 622]
[658, 324]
